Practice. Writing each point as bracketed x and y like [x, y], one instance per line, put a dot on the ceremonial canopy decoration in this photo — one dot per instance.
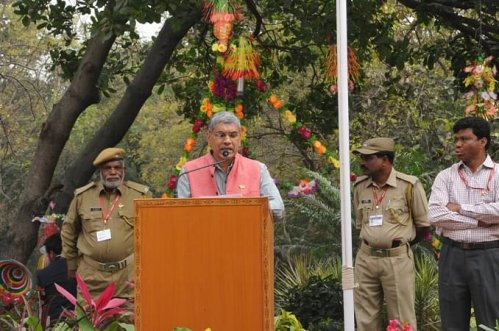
[237, 61]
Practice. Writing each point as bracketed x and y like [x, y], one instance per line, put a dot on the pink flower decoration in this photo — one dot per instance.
[172, 182]
[198, 124]
[260, 85]
[304, 132]
[304, 188]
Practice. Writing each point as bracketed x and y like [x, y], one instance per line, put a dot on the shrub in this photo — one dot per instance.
[317, 304]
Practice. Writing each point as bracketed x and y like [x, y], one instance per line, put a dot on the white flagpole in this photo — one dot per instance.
[344, 134]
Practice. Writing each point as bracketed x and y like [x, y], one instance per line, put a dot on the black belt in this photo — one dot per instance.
[471, 246]
[395, 243]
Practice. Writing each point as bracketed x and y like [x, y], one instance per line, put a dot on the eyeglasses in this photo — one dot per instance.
[369, 157]
[220, 135]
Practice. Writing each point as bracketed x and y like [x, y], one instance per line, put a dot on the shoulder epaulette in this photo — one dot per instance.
[84, 188]
[137, 187]
[408, 178]
[360, 179]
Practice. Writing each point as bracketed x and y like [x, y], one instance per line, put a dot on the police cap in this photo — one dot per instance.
[376, 145]
[109, 154]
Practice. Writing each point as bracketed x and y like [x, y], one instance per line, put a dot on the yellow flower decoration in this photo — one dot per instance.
[222, 48]
[214, 47]
[289, 116]
[334, 162]
[181, 163]
[211, 86]
[206, 105]
[243, 132]
[218, 107]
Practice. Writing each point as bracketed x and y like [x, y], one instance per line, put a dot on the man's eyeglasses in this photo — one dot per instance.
[369, 157]
[220, 135]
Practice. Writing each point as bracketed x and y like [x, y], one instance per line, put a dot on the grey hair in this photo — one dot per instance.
[223, 117]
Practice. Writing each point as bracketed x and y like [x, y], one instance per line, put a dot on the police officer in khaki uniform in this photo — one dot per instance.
[391, 213]
[97, 234]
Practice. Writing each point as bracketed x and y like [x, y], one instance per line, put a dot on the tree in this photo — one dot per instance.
[474, 21]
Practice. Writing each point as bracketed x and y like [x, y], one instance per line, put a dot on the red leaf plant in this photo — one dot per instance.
[100, 312]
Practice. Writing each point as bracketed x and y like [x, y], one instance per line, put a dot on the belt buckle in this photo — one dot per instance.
[380, 252]
[110, 267]
[465, 245]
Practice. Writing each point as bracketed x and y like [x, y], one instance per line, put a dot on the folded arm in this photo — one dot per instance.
[441, 211]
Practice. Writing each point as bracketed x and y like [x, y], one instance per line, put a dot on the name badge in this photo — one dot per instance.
[375, 220]
[104, 235]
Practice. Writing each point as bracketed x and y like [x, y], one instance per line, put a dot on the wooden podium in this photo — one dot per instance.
[204, 262]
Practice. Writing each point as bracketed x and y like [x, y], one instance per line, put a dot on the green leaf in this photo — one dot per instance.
[25, 20]
[34, 323]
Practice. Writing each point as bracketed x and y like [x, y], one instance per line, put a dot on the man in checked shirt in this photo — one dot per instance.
[464, 206]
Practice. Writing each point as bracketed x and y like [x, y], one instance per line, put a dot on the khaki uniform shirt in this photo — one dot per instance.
[394, 218]
[85, 219]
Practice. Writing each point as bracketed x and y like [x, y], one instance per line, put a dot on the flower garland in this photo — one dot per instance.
[301, 129]
[481, 98]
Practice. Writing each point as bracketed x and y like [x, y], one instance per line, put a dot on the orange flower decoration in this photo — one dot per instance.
[189, 145]
[275, 102]
[319, 147]
[238, 111]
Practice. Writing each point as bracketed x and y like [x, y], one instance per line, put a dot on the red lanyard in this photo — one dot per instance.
[106, 215]
[379, 200]
[465, 181]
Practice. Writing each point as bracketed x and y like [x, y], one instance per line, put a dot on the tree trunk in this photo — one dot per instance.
[82, 92]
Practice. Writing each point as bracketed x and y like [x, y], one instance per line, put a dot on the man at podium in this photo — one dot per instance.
[225, 172]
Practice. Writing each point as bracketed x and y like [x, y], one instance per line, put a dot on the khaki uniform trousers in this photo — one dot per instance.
[388, 273]
[98, 280]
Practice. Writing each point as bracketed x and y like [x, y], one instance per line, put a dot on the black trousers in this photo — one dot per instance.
[468, 278]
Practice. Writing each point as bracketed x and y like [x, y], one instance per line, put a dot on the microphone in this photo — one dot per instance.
[225, 153]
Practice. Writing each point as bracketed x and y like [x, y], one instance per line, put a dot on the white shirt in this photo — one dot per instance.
[478, 195]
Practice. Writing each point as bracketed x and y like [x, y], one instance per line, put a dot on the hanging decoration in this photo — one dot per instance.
[222, 14]
[242, 60]
[332, 69]
[481, 100]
